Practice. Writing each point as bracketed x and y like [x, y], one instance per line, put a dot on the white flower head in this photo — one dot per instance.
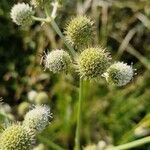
[37, 118]
[21, 14]
[119, 74]
[57, 61]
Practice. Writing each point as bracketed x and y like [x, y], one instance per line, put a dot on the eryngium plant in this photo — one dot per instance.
[79, 32]
[16, 137]
[21, 14]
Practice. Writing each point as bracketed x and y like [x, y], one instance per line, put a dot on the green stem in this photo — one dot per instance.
[58, 31]
[78, 128]
[56, 28]
[132, 144]
[40, 19]
[50, 143]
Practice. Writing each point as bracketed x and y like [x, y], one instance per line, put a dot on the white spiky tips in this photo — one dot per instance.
[93, 62]
[37, 118]
[21, 14]
[79, 32]
[16, 137]
[119, 74]
[57, 61]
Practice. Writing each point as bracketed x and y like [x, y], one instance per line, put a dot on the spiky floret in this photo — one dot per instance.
[79, 32]
[16, 137]
[119, 74]
[57, 61]
[37, 118]
[21, 14]
[93, 62]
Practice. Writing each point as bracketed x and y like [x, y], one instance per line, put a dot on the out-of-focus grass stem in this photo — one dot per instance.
[79, 114]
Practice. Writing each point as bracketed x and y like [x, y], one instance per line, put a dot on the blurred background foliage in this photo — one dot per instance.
[110, 114]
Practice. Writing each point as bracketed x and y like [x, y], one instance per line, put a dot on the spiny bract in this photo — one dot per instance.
[79, 32]
[16, 137]
[37, 118]
[21, 14]
[58, 61]
[119, 74]
[93, 62]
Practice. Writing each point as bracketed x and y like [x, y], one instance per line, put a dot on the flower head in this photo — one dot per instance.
[93, 62]
[23, 108]
[16, 137]
[79, 32]
[119, 74]
[21, 14]
[37, 118]
[41, 98]
[57, 61]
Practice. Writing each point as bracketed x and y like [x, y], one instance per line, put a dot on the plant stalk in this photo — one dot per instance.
[78, 127]
[133, 144]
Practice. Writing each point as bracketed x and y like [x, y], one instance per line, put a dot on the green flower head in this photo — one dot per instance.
[16, 137]
[79, 32]
[93, 62]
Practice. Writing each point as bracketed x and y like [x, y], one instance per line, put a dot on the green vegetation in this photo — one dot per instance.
[110, 115]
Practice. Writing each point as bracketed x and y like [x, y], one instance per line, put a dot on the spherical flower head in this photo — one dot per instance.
[32, 95]
[16, 137]
[23, 108]
[21, 14]
[93, 62]
[37, 118]
[79, 32]
[119, 74]
[58, 61]
[41, 98]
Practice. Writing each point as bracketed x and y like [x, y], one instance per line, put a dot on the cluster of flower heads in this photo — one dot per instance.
[92, 62]
[21, 136]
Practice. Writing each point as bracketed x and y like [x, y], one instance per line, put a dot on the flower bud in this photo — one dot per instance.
[41, 98]
[23, 108]
[16, 137]
[58, 61]
[119, 74]
[21, 14]
[79, 32]
[37, 118]
[93, 62]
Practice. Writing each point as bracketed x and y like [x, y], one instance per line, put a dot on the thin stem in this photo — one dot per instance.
[41, 19]
[58, 31]
[132, 144]
[78, 128]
